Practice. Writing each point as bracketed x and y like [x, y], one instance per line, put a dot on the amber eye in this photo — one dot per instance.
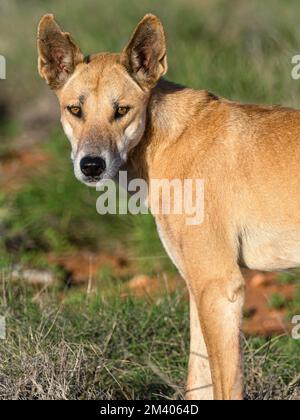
[75, 110]
[121, 111]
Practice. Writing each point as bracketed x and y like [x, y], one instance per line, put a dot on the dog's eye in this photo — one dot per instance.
[121, 111]
[75, 110]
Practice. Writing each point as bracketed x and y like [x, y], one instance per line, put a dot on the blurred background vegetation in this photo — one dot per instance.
[116, 346]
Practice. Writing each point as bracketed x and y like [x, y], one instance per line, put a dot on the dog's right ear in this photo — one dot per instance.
[58, 56]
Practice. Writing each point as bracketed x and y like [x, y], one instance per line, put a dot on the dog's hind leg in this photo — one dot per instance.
[199, 383]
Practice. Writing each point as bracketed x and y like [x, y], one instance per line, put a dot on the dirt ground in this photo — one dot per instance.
[260, 319]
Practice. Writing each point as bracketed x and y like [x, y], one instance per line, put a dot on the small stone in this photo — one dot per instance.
[259, 280]
[34, 277]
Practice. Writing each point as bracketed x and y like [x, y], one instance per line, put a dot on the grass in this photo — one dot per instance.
[277, 301]
[88, 348]
[61, 343]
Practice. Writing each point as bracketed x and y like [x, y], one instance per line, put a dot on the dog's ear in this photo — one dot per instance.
[57, 54]
[145, 55]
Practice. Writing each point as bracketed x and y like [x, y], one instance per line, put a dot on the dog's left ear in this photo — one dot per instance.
[145, 55]
[58, 54]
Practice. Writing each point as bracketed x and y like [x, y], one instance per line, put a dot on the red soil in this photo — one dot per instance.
[260, 287]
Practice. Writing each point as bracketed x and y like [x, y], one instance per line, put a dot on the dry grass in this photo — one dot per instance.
[88, 348]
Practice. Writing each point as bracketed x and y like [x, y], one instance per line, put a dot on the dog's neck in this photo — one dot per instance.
[170, 111]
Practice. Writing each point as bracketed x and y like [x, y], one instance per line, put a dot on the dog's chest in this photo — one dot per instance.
[269, 249]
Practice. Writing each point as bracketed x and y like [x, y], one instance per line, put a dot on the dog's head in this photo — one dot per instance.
[103, 98]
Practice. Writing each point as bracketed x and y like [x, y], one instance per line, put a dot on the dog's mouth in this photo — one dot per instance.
[90, 182]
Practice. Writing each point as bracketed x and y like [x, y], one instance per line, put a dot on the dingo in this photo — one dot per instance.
[119, 113]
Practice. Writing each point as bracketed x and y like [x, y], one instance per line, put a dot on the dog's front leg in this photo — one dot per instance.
[219, 303]
[199, 383]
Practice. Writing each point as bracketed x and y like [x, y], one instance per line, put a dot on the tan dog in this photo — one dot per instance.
[117, 111]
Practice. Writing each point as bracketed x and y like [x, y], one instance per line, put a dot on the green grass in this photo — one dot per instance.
[88, 347]
[91, 348]
[277, 301]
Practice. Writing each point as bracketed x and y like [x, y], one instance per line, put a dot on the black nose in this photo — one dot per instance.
[92, 166]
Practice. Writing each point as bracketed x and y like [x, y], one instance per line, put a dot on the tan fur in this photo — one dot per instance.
[248, 157]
